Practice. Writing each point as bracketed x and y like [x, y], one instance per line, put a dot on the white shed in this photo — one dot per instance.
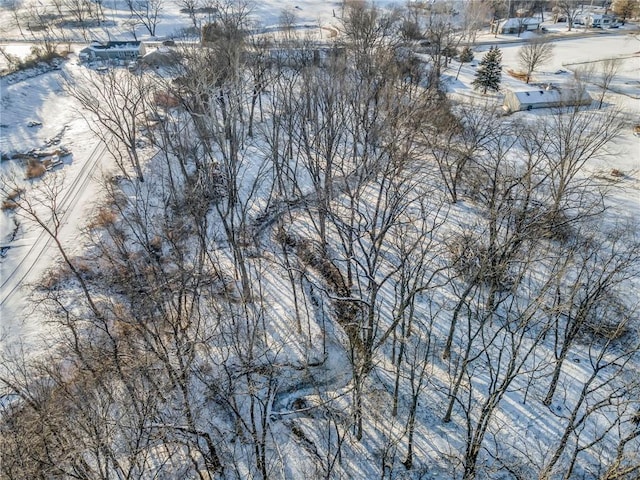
[515, 101]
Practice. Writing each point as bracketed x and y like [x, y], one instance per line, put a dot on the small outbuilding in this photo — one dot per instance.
[515, 101]
[116, 50]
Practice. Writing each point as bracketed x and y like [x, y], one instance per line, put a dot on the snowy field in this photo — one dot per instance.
[312, 360]
[568, 55]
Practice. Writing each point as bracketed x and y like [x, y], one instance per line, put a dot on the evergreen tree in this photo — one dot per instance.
[489, 74]
[466, 56]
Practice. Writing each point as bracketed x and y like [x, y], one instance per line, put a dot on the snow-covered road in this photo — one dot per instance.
[32, 260]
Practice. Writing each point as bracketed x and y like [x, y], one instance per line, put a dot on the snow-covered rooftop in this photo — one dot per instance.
[531, 96]
[516, 22]
[127, 46]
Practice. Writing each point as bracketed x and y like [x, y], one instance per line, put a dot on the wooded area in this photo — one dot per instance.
[331, 269]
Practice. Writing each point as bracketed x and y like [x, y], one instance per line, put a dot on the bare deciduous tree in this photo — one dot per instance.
[569, 9]
[625, 9]
[147, 13]
[475, 15]
[115, 105]
[190, 7]
[601, 73]
[442, 39]
[454, 136]
[594, 270]
[603, 390]
[534, 53]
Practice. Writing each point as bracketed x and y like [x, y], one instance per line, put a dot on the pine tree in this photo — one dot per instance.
[466, 56]
[489, 74]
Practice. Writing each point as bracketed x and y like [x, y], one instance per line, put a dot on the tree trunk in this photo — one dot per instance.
[357, 409]
[408, 462]
[454, 394]
[454, 320]
[556, 374]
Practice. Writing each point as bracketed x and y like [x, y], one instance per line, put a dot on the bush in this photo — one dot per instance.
[9, 203]
[467, 254]
[35, 168]
[38, 55]
[54, 278]
[104, 218]
[411, 30]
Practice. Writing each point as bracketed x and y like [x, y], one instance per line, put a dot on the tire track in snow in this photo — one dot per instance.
[22, 270]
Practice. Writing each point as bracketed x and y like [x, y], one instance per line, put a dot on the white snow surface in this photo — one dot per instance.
[41, 99]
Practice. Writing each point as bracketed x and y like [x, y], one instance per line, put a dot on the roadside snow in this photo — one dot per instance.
[568, 55]
[31, 253]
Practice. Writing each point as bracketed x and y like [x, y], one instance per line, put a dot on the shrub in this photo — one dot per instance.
[103, 218]
[54, 278]
[35, 168]
[411, 30]
[10, 202]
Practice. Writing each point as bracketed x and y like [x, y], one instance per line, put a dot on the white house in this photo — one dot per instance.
[516, 25]
[117, 50]
[597, 20]
[529, 99]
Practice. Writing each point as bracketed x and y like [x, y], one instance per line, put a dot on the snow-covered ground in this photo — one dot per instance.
[568, 55]
[41, 99]
[172, 21]
[38, 115]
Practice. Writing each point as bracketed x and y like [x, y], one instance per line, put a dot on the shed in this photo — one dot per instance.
[116, 50]
[515, 101]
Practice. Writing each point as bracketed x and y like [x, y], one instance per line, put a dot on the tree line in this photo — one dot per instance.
[325, 263]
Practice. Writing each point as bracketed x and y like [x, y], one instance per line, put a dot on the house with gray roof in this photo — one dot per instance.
[114, 50]
[517, 100]
[515, 25]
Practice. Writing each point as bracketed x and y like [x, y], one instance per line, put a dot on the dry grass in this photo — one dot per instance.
[35, 168]
[333, 33]
[9, 203]
[55, 277]
[607, 330]
[519, 75]
[612, 176]
[104, 218]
